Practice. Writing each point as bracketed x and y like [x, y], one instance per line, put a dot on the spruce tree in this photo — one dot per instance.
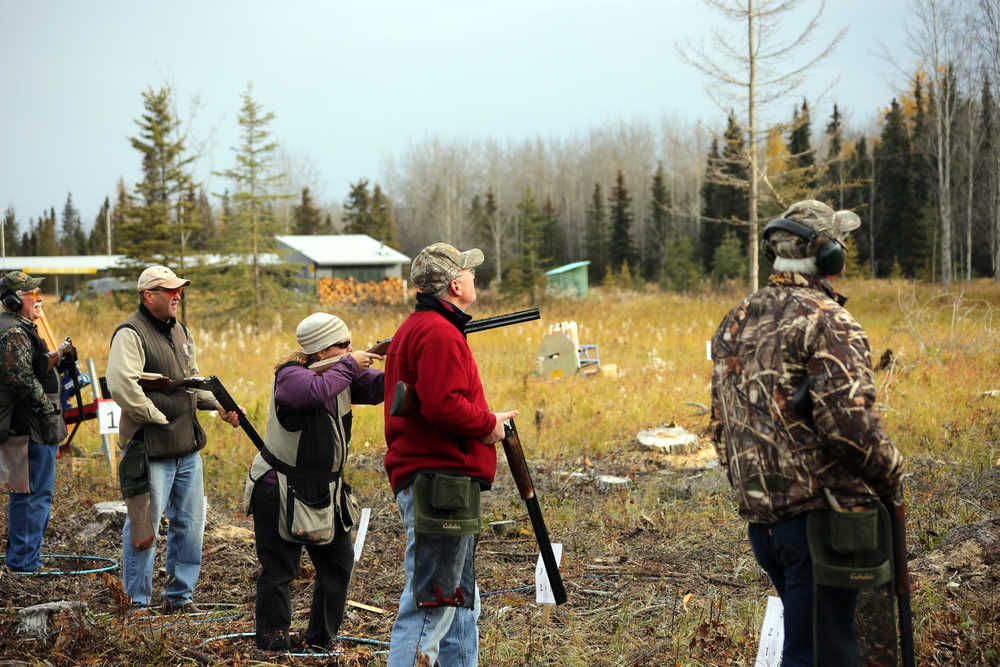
[207, 234]
[72, 239]
[894, 185]
[358, 209]
[306, 217]
[48, 243]
[834, 174]
[148, 234]
[98, 240]
[10, 240]
[383, 222]
[620, 203]
[553, 252]
[986, 187]
[658, 229]
[495, 226]
[857, 198]
[597, 233]
[252, 227]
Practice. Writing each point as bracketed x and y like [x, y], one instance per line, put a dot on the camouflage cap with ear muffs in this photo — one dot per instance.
[827, 223]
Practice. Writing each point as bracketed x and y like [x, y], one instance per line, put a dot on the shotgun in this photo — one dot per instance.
[212, 384]
[405, 402]
[519, 470]
[901, 582]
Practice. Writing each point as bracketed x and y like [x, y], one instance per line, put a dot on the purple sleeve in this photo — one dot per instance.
[368, 387]
[298, 388]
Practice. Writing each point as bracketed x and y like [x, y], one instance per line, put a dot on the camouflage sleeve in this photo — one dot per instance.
[716, 418]
[842, 386]
[17, 372]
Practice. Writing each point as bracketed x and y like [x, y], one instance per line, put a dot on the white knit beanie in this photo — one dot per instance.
[319, 331]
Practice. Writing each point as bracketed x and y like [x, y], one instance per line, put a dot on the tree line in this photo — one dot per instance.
[642, 202]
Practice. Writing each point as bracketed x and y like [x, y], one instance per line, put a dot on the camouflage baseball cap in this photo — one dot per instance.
[439, 263]
[829, 224]
[19, 281]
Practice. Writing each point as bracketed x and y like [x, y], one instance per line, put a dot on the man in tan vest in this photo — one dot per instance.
[161, 437]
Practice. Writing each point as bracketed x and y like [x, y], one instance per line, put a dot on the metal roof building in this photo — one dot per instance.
[343, 255]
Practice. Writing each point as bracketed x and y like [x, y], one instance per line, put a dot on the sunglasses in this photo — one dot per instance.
[33, 293]
[172, 292]
[344, 344]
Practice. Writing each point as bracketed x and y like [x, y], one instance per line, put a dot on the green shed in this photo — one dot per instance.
[568, 280]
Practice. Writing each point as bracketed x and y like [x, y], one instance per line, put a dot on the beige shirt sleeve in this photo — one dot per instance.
[125, 362]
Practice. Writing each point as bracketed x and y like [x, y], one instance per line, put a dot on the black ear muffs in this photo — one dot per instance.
[11, 301]
[829, 256]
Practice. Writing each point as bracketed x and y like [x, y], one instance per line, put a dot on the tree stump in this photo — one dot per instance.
[45, 621]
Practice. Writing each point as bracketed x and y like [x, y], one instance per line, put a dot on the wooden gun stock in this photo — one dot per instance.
[901, 582]
[519, 470]
[405, 402]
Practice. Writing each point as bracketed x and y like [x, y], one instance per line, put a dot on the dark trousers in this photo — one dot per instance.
[279, 562]
[783, 552]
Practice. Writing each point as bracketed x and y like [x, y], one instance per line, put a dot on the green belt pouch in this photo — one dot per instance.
[850, 549]
[446, 504]
[133, 470]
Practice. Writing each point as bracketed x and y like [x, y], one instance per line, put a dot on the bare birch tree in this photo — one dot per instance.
[934, 40]
[749, 70]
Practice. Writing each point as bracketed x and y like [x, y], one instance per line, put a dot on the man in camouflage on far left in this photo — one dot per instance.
[795, 423]
[29, 410]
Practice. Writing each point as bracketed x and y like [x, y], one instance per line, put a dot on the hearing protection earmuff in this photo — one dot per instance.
[11, 301]
[830, 255]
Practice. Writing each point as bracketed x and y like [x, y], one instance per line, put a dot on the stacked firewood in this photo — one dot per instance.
[348, 290]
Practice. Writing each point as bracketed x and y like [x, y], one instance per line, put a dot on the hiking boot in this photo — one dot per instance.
[185, 608]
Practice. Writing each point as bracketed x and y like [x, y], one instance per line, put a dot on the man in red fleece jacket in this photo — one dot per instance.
[439, 462]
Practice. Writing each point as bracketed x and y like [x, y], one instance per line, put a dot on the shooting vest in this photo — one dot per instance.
[170, 357]
[313, 503]
[23, 419]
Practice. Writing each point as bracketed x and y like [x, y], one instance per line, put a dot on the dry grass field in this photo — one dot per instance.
[660, 573]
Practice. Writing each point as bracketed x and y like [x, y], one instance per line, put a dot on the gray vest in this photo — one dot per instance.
[284, 445]
[171, 358]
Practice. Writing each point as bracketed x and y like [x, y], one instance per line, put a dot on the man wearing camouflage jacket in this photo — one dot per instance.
[783, 456]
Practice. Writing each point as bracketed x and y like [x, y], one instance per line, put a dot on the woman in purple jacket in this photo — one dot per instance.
[296, 489]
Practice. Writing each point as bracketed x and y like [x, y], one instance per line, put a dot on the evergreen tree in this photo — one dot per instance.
[986, 186]
[205, 237]
[11, 242]
[620, 203]
[251, 229]
[97, 243]
[119, 215]
[72, 240]
[357, 209]
[157, 223]
[857, 199]
[383, 222]
[658, 229]
[725, 200]
[306, 217]
[682, 273]
[895, 187]
[48, 243]
[597, 233]
[729, 262]
[799, 141]
[553, 248]
[834, 175]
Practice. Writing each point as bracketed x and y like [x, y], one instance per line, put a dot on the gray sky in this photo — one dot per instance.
[352, 83]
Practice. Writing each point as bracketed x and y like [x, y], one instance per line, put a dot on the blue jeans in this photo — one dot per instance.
[783, 551]
[444, 634]
[175, 486]
[28, 513]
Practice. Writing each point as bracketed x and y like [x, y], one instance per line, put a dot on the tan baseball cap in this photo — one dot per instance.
[160, 276]
[439, 263]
